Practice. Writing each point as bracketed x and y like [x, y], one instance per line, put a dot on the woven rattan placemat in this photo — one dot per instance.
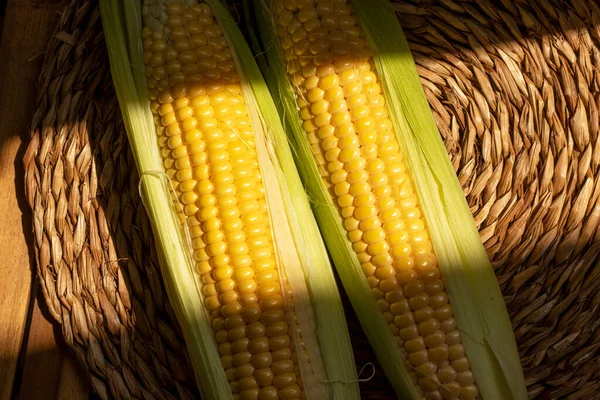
[515, 89]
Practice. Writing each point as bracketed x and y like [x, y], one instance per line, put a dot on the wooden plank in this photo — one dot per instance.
[43, 359]
[53, 368]
[26, 27]
[2, 12]
[73, 384]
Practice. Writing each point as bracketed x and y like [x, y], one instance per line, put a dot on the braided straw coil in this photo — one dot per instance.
[514, 86]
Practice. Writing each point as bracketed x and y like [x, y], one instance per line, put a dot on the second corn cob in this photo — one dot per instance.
[348, 128]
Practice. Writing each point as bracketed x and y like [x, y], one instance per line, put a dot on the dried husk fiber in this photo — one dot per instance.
[514, 86]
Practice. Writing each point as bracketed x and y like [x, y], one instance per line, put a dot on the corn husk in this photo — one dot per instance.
[301, 254]
[125, 54]
[466, 271]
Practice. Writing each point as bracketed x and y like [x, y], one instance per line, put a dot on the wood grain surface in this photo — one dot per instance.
[32, 364]
[48, 363]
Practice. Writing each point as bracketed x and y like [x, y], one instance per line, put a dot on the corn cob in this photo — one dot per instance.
[270, 313]
[348, 128]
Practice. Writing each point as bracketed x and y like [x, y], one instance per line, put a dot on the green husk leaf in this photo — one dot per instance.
[467, 273]
[122, 28]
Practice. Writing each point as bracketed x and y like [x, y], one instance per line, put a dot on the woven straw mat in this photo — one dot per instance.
[514, 86]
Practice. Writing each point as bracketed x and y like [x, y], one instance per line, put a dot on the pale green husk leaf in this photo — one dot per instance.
[122, 30]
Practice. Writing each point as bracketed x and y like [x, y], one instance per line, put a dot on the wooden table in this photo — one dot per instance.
[34, 363]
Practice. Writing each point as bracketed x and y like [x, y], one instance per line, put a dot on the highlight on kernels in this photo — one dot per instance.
[345, 131]
[270, 313]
